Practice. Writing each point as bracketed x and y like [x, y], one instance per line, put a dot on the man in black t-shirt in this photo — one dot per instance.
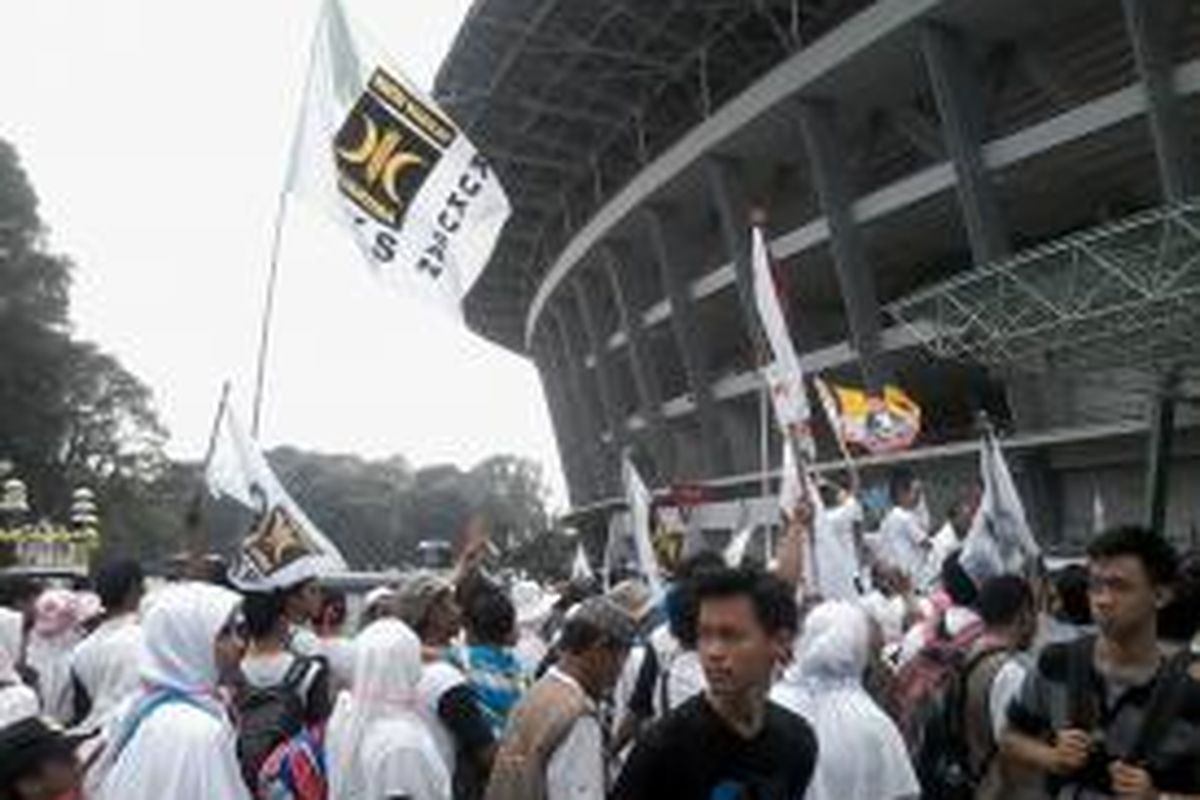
[730, 743]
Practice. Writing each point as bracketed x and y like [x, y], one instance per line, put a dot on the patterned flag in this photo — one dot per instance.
[392, 168]
[876, 424]
[282, 546]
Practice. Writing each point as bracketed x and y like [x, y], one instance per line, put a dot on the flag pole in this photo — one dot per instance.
[829, 407]
[193, 517]
[264, 340]
[764, 455]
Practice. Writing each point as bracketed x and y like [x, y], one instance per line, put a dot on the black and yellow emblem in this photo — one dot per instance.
[387, 147]
[276, 542]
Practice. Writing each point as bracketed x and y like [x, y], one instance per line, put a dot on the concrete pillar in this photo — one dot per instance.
[645, 378]
[733, 212]
[688, 337]
[591, 446]
[831, 179]
[562, 421]
[1151, 25]
[597, 343]
[959, 94]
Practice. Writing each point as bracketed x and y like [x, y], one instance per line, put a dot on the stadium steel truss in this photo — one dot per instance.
[990, 202]
[1124, 294]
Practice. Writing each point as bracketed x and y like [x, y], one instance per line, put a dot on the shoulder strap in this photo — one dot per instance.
[1162, 706]
[143, 712]
[988, 663]
[1081, 686]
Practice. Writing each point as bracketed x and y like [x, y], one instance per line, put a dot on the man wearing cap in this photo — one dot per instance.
[426, 602]
[37, 761]
[553, 748]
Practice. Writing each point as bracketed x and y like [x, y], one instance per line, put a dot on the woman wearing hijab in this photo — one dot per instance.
[174, 739]
[861, 756]
[17, 701]
[377, 746]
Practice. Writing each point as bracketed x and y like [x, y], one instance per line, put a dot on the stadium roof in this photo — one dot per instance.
[572, 98]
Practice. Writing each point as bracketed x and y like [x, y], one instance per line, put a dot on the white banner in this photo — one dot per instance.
[282, 547]
[640, 500]
[1000, 540]
[784, 377]
[392, 167]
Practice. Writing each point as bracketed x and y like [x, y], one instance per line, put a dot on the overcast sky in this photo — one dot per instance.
[155, 133]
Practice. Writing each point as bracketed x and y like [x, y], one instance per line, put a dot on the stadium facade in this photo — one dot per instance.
[897, 147]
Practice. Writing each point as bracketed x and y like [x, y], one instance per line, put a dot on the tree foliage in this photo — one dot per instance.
[69, 414]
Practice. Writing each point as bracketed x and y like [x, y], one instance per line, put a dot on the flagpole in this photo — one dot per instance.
[193, 517]
[264, 340]
[764, 455]
[827, 405]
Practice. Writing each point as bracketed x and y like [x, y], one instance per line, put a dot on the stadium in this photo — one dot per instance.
[986, 202]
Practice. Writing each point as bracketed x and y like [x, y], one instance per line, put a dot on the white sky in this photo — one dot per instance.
[155, 133]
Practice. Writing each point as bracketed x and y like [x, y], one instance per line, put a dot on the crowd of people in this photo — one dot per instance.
[914, 679]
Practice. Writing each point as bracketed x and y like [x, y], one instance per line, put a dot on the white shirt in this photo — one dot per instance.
[530, 650]
[576, 769]
[943, 544]
[901, 536]
[106, 665]
[303, 642]
[837, 553]
[17, 702]
[1005, 686]
[437, 679]
[888, 612]
[680, 673]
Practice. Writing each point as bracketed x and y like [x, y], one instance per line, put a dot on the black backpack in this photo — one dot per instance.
[942, 755]
[270, 715]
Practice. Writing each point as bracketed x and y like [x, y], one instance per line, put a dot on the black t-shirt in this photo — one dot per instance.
[692, 754]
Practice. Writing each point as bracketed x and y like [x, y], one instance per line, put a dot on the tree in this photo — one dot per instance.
[513, 496]
[69, 414]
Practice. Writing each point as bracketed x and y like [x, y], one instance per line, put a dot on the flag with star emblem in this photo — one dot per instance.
[389, 165]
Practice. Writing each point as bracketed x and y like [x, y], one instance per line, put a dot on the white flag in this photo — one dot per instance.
[640, 500]
[1000, 540]
[581, 570]
[735, 551]
[283, 547]
[783, 376]
[1099, 514]
[387, 163]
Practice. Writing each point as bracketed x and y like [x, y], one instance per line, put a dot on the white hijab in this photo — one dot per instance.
[862, 756]
[176, 752]
[17, 701]
[12, 633]
[387, 670]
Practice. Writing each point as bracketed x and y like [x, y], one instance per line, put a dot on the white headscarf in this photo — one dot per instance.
[177, 655]
[12, 632]
[862, 756]
[178, 636]
[17, 701]
[387, 669]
